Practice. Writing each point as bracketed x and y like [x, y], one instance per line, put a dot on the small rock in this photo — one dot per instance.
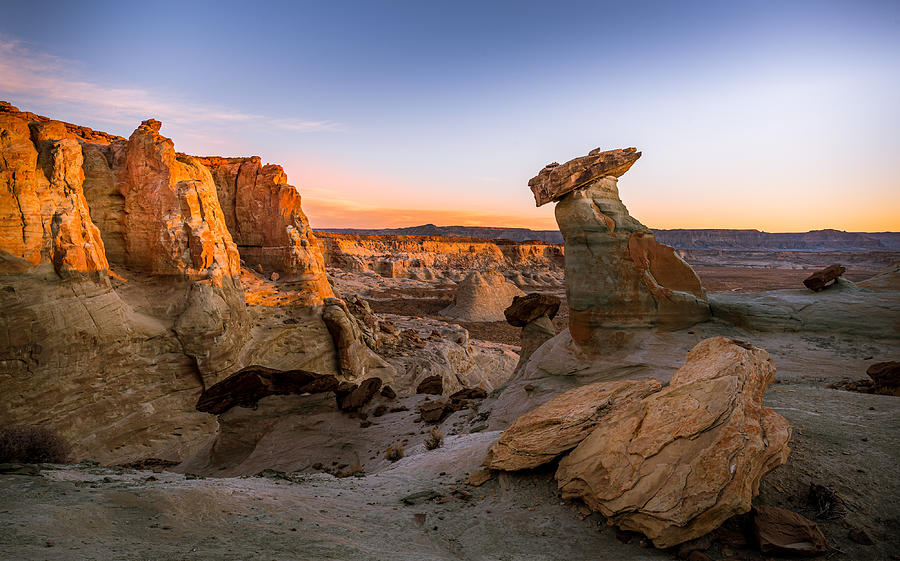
[433, 385]
[420, 497]
[860, 536]
[782, 531]
[480, 477]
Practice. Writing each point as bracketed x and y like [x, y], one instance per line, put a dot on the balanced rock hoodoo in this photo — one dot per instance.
[617, 275]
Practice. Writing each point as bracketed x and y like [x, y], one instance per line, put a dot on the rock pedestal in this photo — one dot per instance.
[617, 275]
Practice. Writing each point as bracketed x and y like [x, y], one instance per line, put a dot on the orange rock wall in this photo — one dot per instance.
[264, 216]
[44, 217]
[394, 255]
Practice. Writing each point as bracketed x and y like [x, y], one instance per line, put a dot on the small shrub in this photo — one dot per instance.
[394, 453]
[30, 444]
[434, 439]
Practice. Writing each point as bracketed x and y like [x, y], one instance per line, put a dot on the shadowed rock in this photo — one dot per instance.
[782, 531]
[824, 278]
[247, 386]
[886, 377]
[431, 385]
[351, 397]
[556, 180]
[525, 309]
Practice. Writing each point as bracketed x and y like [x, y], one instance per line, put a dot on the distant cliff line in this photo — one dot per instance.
[691, 239]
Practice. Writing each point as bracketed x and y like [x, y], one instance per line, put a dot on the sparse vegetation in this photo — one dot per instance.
[434, 439]
[31, 444]
[394, 453]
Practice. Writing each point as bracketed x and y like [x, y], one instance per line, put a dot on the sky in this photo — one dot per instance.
[780, 116]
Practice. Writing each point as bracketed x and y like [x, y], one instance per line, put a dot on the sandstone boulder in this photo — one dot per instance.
[556, 180]
[525, 309]
[678, 463]
[354, 357]
[557, 426]
[482, 297]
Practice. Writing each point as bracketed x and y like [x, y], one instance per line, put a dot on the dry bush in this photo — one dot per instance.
[30, 444]
[394, 453]
[434, 439]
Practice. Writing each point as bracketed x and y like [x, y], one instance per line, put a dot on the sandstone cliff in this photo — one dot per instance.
[429, 256]
[121, 283]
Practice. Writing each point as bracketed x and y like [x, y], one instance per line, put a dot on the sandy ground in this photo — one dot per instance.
[842, 440]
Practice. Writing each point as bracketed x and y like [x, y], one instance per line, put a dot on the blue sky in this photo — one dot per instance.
[780, 116]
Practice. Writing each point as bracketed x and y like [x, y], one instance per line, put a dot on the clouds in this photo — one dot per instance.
[28, 76]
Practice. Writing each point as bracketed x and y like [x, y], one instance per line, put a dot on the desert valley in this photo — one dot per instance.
[224, 382]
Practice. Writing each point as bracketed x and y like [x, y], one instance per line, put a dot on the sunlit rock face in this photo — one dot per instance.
[617, 275]
[120, 291]
[173, 220]
[44, 217]
[263, 214]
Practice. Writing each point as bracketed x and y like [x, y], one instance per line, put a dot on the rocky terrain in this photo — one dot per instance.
[235, 385]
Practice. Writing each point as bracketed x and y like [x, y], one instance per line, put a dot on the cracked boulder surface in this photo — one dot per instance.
[678, 463]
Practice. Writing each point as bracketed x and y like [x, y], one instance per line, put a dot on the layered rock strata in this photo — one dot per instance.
[678, 463]
[559, 425]
[263, 213]
[432, 257]
[617, 275]
[482, 297]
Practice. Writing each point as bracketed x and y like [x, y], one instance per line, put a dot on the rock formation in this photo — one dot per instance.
[824, 278]
[263, 213]
[428, 257]
[121, 291]
[44, 217]
[617, 275]
[557, 426]
[482, 297]
[678, 463]
[533, 313]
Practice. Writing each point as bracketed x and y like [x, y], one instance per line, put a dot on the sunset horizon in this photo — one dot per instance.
[765, 116]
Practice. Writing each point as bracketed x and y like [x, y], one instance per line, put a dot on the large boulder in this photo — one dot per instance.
[482, 297]
[617, 275]
[678, 463]
[557, 426]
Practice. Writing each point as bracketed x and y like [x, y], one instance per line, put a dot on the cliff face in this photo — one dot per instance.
[263, 213]
[410, 256]
[120, 283]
